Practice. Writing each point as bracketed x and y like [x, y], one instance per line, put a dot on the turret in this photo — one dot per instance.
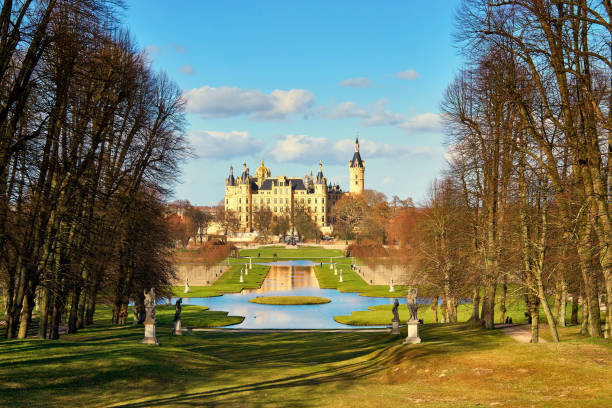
[320, 178]
[230, 181]
[244, 178]
[356, 171]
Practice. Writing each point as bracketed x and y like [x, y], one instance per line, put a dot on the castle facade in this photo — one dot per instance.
[246, 195]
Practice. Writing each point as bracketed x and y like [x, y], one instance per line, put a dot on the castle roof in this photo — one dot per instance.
[356, 161]
[295, 184]
[320, 178]
[262, 171]
[231, 181]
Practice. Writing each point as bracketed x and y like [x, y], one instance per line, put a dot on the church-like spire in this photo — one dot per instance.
[230, 180]
[356, 162]
[320, 179]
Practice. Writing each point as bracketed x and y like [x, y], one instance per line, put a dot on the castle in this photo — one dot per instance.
[282, 195]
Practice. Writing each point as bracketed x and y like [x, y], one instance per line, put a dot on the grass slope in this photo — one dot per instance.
[191, 315]
[294, 253]
[229, 282]
[455, 366]
[352, 282]
[382, 315]
[289, 300]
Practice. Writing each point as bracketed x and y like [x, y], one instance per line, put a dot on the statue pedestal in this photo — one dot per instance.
[177, 328]
[391, 288]
[149, 337]
[395, 327]
[413, 333]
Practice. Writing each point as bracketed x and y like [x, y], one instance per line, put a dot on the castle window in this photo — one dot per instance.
[309, 201]
[275, 201]
[275, 191]
[247, 217]
[322, 201]
[322, 219]
[239, 209]
[240, 200]
[286, 201]
[302, 200]
[226, 201]
[247, 200]
[315, 200]
[315, 218]
[355, 182]
[268, 200]
[274, 209]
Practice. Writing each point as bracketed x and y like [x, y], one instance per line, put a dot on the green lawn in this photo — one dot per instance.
[289, 300]
[382, 315]
[229, 282]
[455, 366]
[352, 282]
[266, 253]
[191, 315]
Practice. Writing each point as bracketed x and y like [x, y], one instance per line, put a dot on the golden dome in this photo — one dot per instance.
[262, 172]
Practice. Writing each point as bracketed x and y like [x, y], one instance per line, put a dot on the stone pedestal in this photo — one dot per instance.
[177, 328]
[335, 272]
[149, 337]
[395, 327]
[413, 333]
[186, 287]
[391, 288]
[241, 277]
[341, 280]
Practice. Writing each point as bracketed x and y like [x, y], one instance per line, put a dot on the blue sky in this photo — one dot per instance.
[293, 82]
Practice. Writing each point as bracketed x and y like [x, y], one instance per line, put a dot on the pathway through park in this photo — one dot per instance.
[518, 333]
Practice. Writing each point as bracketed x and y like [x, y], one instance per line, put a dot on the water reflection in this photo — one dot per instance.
[295, 279]
[280, 279]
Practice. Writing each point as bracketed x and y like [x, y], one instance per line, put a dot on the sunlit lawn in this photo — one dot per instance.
[455, 366]
[229, 282]
[266, 253]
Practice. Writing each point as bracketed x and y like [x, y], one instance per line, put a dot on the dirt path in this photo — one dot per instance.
[518, 333]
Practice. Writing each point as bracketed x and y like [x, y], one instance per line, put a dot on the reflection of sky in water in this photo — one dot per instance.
[287, 281]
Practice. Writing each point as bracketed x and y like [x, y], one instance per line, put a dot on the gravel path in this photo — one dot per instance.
[518, 333]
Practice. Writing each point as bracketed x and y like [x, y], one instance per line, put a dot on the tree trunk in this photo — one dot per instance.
[502, 302]
[534, 311]
[434, 308]
[574, 318]
[585, 315]
[44, 313]
[561, 314]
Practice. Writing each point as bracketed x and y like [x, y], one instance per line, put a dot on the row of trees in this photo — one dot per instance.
[527, 197]
[90, 139]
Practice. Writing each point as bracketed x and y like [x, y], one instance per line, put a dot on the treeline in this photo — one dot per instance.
[527, 197]
[90, 139]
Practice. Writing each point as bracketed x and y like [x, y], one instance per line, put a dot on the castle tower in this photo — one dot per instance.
[356, 171]
[262, 173]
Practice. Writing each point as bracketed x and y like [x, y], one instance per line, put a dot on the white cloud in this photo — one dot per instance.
[427, 122]
[309, 150]
[380, 116]
[224, 145]
[409, 74]
[359, 82]
[348, 110]
[187, 70]
[154, 49]
[228, 101]
[377, 114]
